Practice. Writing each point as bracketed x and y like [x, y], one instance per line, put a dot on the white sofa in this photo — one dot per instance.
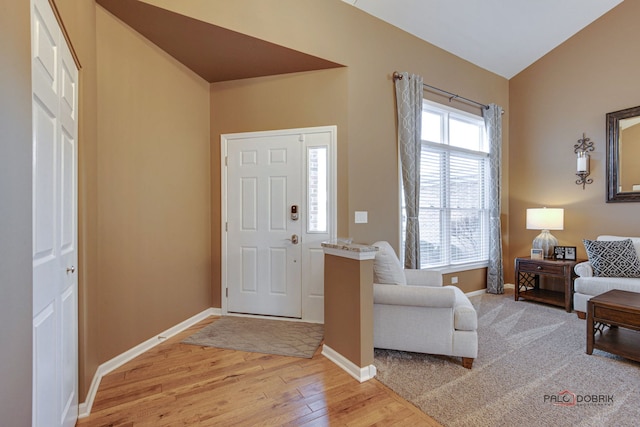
[412, 311]
[587, 286]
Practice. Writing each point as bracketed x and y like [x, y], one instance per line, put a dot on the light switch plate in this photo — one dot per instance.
[361, 217]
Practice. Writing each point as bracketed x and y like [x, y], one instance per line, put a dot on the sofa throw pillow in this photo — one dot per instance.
[613, 258]
[386, 267]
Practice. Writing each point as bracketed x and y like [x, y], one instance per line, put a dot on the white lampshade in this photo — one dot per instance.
[545, 219]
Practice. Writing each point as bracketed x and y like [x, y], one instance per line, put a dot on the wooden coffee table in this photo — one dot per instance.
[613, 322]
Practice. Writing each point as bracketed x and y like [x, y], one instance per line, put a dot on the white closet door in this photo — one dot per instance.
[55, 279]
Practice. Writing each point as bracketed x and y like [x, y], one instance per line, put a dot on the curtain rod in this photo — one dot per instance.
[398, 76]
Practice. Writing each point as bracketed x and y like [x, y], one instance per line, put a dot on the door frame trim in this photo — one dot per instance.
[333, 188]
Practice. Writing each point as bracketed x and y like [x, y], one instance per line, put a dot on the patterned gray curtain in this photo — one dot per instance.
[409, 100]
[493, 125]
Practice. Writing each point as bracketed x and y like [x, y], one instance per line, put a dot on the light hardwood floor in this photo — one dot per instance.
[177, 384]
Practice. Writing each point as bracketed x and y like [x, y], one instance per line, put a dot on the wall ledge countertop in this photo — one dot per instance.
[349, 250]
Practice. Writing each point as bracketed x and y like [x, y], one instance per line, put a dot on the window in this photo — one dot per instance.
[318, 190]
[454, 214]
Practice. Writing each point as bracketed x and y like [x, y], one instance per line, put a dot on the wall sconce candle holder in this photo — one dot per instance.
[581, 149]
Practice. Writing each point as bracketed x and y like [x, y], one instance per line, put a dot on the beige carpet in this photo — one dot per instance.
[285, 338]
[529, 354]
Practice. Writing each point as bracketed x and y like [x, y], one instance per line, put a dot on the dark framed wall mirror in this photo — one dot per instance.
[623, 155]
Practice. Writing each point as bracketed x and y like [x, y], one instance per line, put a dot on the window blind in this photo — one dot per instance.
[453, 189]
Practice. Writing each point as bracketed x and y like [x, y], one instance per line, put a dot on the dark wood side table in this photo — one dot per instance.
[613, 319]
[528, 273]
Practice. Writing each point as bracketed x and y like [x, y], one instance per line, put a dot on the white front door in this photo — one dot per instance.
[263, 249]
[278, 206]
[55, 279]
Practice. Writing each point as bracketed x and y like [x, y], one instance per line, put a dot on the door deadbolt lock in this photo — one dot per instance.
[294, 212]
[294, 239]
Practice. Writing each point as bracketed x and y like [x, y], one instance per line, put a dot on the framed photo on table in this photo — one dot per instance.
[565, 253]
[537, 254]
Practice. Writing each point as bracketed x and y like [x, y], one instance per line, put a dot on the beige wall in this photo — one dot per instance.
[15, 214]
[468, 280]
[348, 307]
[371, 50]
[315, 98]
[153, 190]
[566, 93]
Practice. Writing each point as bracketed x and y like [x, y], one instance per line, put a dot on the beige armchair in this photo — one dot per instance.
[412, 311]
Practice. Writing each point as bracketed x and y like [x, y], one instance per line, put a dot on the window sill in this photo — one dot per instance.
[461, 267]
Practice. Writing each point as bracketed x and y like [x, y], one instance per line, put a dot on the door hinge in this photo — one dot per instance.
[227, 292]
[226, 226]
[226, 160]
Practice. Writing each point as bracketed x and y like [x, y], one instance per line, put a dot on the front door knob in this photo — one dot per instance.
[294, 239]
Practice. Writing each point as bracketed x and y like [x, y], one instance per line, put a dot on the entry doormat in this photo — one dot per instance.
[285, 338]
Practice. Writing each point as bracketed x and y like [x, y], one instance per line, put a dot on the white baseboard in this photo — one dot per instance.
[476, 293]
[360, 374]
[484, 291]
[84, 409]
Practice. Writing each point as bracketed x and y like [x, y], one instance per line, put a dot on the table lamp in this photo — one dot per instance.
[545, 219]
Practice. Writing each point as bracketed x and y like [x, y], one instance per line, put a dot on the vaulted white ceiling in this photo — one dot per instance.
[502, 36]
